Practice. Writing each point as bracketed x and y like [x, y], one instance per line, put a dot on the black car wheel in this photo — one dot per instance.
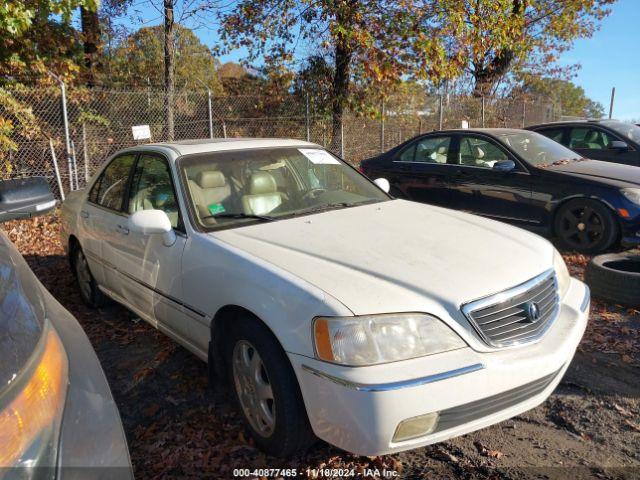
[586, 226]
[89, 291]
[266, 390]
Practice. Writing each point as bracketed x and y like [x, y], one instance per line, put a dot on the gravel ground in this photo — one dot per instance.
[177, 426]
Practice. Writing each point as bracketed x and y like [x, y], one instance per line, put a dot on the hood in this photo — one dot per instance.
[610, 173]
[21, 313]
[398, 256]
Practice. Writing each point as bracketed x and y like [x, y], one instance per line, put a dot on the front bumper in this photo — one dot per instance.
[359, 409]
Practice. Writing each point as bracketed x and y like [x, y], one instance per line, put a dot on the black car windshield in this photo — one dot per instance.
[266, 184]
[537, 149]
[626, 129]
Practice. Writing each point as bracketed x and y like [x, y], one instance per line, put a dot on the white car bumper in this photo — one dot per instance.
[359, 409]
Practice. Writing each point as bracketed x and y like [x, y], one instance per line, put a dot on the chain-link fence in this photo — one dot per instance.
[69, 147]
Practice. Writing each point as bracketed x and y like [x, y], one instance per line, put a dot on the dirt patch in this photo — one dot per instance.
[178, 426]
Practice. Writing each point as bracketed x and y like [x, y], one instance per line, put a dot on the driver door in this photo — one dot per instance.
[150, 271]
[480, 189]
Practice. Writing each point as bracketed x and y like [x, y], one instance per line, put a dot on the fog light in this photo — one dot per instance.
[415, 427]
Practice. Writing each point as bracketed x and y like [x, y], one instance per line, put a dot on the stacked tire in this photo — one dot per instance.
[615, 277]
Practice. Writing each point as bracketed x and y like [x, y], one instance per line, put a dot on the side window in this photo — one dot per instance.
[478, 152]
[109, 189]
[554, 134]
[408, 154]
[152, 188]
[590, 138]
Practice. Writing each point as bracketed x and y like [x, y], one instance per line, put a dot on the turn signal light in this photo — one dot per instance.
[36, 408]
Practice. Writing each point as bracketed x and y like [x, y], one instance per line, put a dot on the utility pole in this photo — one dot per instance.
[613, 96]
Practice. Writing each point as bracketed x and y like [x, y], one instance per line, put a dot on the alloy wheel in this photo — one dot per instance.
[582, 227]
[253, 388]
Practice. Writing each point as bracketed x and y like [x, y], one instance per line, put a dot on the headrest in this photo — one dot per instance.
[261, 183]
[479, 152]
[210, 179]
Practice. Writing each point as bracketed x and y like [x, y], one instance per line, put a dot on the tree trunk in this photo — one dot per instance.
[169, 70]
[91, 42]
[343, 56]
[487, 73]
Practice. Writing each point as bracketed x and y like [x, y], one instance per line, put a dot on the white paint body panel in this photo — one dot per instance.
[394, 256]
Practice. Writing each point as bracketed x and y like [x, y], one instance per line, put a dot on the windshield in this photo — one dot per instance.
[537, 149]
[266, 184]
[627, 130]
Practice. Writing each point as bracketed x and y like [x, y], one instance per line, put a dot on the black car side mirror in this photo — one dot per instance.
[619, 145]
[25, 198]
[504, 165]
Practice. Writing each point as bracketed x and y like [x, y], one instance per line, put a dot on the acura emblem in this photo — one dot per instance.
[532, 311]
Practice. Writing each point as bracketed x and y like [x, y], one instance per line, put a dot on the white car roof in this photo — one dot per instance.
[188, 147]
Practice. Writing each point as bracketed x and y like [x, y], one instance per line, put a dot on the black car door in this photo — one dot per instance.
[479, 188]
[420, 170]
[594, 142]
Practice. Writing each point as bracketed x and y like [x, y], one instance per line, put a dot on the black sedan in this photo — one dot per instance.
[519, 177]
[607, 140]
[57, 416]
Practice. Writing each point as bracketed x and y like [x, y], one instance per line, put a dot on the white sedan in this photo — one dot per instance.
[335, 311]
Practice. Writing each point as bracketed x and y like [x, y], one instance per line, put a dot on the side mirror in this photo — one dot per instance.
[504, 165]
[619, 145]
[25, 198]
[150, 222]
[383, 184]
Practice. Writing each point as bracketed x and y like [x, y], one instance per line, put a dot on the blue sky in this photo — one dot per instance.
[608, 59]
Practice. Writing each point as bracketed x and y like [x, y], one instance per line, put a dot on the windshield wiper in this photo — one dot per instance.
[264, 218]
[332, 206]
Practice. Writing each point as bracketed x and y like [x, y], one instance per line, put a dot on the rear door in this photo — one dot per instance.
[100, 214]
[421, 171]
[594, 142]
[479, 188]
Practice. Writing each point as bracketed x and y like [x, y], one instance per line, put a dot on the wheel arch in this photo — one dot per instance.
[564, 201]
[74, 244]
[222, 321]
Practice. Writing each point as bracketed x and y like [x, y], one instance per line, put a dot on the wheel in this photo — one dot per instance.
[615, 277]
[89, 291]
[586, 226]
[266, 390]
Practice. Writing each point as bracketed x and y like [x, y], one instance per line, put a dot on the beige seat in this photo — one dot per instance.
[263, 196]
[209, 187]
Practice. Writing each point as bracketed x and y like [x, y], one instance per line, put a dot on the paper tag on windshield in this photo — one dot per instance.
[319, 157]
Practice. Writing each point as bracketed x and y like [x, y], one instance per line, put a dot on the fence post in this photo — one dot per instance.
[85, 154]
[342, 136]
[306, 117]
[482, 111]
[75, 165]
[440, 113]
[382, 117]
[65, 122]
[56, 169]
[524, 111]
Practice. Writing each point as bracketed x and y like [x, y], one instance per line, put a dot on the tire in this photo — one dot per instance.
[586, 226]
[615, 277]
[87, 286]
[290, 431]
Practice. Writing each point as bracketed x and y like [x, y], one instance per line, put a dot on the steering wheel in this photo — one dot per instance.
[313, 193]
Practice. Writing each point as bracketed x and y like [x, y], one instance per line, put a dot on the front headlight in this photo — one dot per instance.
[562, 273]
[375, 339]
[29, 423]
[632, 194]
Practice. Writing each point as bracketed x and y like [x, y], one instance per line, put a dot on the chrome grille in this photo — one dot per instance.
[509, 317]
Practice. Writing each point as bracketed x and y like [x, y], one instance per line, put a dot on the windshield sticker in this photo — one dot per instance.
[319, 157]
[216, 208]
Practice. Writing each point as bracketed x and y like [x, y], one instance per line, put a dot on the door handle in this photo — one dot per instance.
[84, 214]
[122, 230]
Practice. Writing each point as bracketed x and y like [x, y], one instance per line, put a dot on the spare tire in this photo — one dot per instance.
[615, 277]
